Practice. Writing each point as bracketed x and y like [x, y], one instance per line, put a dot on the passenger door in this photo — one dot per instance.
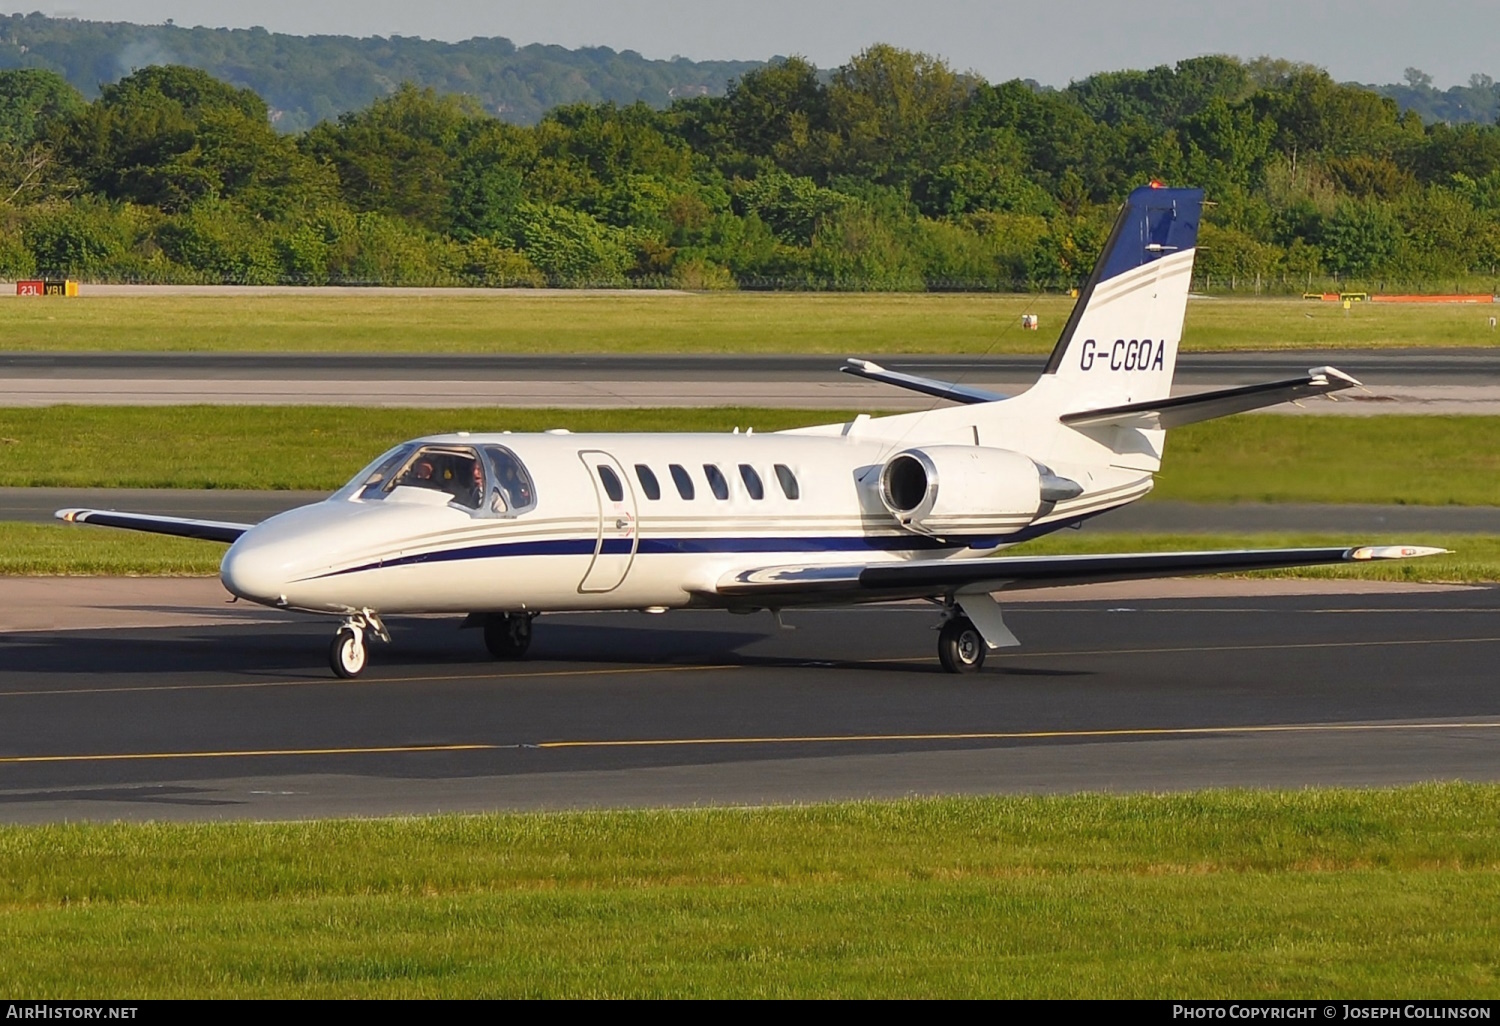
[615, 545]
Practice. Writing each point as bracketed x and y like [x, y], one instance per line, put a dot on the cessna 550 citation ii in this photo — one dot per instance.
[503, 527]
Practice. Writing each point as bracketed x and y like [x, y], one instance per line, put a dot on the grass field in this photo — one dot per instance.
[524, 321]
[1330, 893]
[1416, 460]
[81, 550]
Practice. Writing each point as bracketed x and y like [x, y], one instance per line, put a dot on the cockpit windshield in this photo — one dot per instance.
[378, 472]
[488, 480]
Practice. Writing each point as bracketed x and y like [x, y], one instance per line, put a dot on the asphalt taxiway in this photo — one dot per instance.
[1167, 686]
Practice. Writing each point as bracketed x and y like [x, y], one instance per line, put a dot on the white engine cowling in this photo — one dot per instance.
[969, 489]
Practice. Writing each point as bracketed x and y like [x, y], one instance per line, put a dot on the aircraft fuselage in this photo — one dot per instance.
[618, 521]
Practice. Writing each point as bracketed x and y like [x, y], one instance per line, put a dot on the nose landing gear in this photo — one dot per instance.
[348, 654]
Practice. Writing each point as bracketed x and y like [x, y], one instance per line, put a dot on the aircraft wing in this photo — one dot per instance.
[927, 386]
[779, 586]
[181, 527]
[1189, 409]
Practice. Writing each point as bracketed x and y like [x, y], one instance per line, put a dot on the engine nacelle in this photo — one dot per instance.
[969, 489]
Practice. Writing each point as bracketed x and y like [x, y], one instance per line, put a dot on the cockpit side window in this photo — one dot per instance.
[511, 491]
[454, 470]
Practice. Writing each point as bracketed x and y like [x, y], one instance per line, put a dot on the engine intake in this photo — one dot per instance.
[966, 489]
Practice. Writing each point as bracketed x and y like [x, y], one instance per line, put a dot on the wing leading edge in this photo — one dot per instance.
[181, 527]
[815, 585]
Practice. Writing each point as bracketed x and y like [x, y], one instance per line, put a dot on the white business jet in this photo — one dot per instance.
[503, 527]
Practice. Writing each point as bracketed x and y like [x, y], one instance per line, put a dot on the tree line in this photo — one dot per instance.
[893, 171]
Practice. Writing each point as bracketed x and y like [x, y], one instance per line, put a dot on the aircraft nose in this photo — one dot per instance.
[253, 572]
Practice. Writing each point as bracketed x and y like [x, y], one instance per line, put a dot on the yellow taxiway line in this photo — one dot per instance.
[1030, 735]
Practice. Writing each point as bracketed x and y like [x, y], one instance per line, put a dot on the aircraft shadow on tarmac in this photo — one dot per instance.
[298, 648]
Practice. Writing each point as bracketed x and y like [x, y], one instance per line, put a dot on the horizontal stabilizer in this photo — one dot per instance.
[927, 386]
[793, 585]
[1189, 409]
[181, 527]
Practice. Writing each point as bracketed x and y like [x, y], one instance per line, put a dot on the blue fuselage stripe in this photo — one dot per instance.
[663, 546]
[709, 546]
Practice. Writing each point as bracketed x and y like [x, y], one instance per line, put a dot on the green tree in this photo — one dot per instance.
[791, 207]
[1314, 114]
[218, 239]
[170, 136]
[780, 113]
[1360, 238]
[29, 97]
[572, 248]
[1162, 97]
[892, 112]
[84, 239]
[398, 156]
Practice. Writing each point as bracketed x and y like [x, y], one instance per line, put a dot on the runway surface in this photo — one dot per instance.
[36, 505]
[1399, 381]
[1429, 366]
[1243, 685]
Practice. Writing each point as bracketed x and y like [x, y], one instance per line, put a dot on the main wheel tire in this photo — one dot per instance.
[507, 635]
[961, 648]
[348, 653]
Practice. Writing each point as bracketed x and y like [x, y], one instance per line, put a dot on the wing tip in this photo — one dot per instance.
[1320, 376]
[1373, 552]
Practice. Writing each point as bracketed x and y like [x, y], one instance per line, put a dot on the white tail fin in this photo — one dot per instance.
[1120, 344]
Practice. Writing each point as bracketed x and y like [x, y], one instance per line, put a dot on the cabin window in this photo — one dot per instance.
[788, 481]
[612, 486]
[683, 480]
[511, 490]
[752, 481]
[716, 482]
[648, 481]
[454, 470]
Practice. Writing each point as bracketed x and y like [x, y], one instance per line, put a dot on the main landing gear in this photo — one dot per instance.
[507, 635]
[972, 625]
[961, 648]
[349, 653]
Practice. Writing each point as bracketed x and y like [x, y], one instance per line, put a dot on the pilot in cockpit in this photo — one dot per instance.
[473, 492]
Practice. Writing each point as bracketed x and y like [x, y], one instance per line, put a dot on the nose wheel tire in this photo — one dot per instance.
[348, 653]
[507, 635]
[961, 648]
